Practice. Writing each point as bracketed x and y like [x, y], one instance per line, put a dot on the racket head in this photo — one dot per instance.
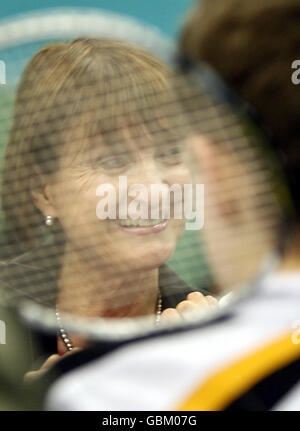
[224, 252]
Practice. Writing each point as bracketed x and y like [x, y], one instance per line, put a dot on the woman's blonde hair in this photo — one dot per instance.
[87, 90]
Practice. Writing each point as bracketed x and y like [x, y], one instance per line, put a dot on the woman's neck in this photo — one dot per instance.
[92, 290]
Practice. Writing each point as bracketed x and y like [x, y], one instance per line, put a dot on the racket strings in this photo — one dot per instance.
[87, 124]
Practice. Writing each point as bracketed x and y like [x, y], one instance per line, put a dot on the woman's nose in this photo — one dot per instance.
[150, 172]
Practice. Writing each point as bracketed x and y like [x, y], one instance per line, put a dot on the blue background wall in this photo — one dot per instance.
[165, 14]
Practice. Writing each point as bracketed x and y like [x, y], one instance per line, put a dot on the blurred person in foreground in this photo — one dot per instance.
[251, 359]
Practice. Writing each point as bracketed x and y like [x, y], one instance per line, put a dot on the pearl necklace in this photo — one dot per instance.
[68, 343]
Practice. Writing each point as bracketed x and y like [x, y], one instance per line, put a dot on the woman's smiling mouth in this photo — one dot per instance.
[142, 227]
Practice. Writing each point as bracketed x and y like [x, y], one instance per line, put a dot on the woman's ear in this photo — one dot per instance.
[40, 193]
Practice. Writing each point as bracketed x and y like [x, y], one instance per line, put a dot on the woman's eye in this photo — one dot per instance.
[171, 155]
[117, 162]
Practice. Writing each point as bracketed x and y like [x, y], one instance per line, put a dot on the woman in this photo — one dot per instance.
[87, 113]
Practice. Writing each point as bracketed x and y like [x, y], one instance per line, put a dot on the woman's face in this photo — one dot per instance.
[112, 242]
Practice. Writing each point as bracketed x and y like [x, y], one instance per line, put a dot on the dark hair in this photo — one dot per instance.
[252, 45]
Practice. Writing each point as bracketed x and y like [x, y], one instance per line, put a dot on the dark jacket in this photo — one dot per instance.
[33, 275]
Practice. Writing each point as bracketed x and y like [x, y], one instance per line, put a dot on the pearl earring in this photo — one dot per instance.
[48, 221]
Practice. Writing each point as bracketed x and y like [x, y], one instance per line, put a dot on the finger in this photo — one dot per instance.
[201, 300]
[195, 297]
[186, 306]
[170, 313]
[54, 358]
[213, 301]
[50, 361]
[32, 375]
[198, 300]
